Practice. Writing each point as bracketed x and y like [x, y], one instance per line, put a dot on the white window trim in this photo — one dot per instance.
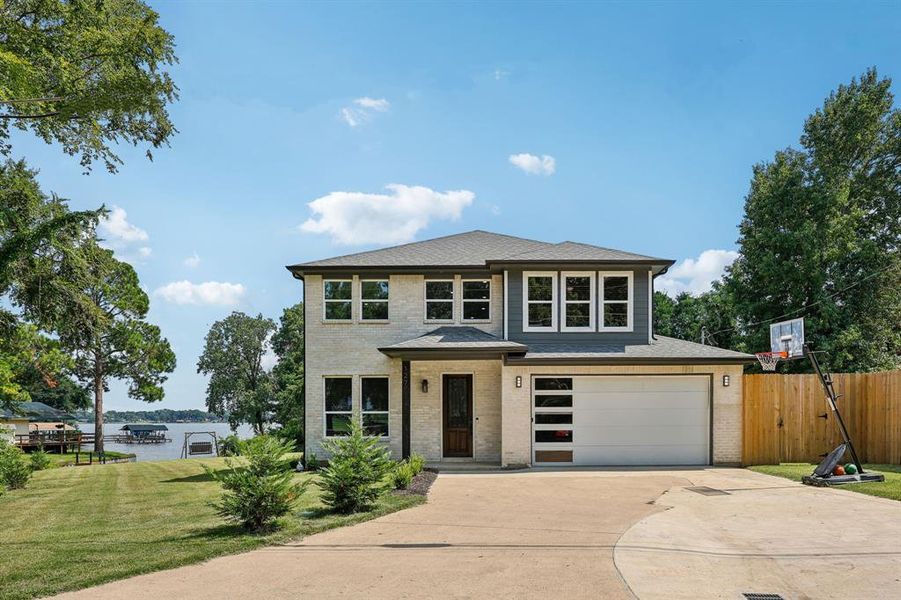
[325, 412]
[592, 301]
[425, 300]
[376, 412]
[463, 301]
[326, 301]
[525, 300]
[629, 303]
[385, 301]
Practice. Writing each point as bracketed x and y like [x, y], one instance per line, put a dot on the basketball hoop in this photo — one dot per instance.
[768, 360]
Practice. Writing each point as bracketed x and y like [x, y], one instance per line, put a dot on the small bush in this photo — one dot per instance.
[260, 488]
[230, 445]
[14, 467]
[356, 473]
[402, 475]
[417, 463]
[39, 460]
[312, 463]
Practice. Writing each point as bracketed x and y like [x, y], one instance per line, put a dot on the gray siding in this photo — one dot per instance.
[638, 335]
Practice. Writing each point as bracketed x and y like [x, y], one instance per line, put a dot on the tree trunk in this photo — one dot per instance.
[98, 408]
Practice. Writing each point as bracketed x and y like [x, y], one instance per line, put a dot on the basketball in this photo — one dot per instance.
[850, 469]
[839, 470]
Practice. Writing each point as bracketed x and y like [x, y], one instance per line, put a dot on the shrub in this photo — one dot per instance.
[356, 473]
[312, 463]
[39, 460]
[417, 463]
[402, 475]
[14, 468]
[230, 445]
[259, 487]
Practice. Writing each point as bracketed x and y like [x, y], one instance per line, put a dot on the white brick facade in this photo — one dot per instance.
[351, 349]
[502, 412]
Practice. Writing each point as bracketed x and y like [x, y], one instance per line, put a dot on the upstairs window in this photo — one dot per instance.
[337, 296]
[374, 405]
[540, 301]
[338, 406]
[616, 301]
[374, 300]
[578, 301]
[477, 300]
[439, 300]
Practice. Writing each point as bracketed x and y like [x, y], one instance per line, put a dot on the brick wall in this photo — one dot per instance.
[352, 348]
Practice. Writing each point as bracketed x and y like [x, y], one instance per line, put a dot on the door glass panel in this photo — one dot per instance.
[458, 403]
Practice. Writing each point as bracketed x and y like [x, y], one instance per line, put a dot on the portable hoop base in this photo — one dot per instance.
[842, 479]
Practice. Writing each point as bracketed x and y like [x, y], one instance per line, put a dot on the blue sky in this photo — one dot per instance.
[651, 116]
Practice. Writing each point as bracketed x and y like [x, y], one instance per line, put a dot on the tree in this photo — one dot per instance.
[113, 340]
[239, 386]
[85, 74]
[820, 234]
[707, 318]
[288, 374]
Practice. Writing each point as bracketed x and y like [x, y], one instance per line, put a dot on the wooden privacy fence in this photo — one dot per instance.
[787, 418]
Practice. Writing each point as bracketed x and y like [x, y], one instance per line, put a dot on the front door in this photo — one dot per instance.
[457, 409]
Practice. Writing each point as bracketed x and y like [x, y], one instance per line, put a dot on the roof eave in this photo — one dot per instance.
[627, 361]
[486, 353]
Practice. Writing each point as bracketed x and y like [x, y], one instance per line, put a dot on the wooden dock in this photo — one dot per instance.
[70, 441]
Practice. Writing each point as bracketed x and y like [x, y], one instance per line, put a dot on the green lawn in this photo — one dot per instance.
[76, 527]
[890, 488]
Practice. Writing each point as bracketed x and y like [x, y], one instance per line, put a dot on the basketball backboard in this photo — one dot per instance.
[788, 336]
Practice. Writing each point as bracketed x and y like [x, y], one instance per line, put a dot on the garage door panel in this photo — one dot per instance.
[637, 384]
[640, 420]
[675, 399]
[656, 436]
[627, 455]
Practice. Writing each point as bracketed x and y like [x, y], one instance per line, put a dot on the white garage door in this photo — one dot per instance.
[617, 420]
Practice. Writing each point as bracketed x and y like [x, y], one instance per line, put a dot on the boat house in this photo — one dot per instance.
[145, 433]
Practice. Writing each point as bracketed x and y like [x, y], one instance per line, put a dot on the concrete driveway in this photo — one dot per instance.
[573, 534]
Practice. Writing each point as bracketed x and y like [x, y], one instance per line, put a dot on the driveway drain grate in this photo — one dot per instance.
[756, 596]
[708, 491]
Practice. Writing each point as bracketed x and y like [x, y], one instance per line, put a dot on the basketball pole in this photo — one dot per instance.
[826, 380]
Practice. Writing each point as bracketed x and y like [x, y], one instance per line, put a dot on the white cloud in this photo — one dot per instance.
[145, 251]
[269, 359]
[695, 276]
[208, 292]
[192, 261]
[534, 165]
[116, 226]
[395, 217]
[500, 74]
[362, 110]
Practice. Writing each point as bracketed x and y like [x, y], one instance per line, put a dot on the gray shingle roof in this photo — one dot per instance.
[456, 338]
[475, 249]
[662, 349]
[574, 251]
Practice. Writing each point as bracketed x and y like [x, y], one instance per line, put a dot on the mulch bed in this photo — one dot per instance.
[420, 484]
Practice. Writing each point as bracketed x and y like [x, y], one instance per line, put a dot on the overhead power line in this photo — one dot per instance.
[806, 306]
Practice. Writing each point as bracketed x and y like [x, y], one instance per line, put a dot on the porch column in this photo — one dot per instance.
[405, 408]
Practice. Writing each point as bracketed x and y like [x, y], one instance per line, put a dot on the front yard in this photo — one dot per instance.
[890, 488]
[81, 526]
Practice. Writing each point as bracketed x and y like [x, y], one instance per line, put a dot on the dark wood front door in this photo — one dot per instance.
[457, 415]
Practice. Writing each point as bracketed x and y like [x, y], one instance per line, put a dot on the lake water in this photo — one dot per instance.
[176, 433]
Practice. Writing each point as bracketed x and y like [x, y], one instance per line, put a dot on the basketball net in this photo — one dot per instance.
[769, 360]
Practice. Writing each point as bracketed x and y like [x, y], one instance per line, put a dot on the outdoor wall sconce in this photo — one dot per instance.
[726, 381]
[425, 386]
[519, 381]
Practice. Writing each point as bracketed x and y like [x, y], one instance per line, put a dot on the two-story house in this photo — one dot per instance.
[497, 349]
